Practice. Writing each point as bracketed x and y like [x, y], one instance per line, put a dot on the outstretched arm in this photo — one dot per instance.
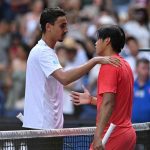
[66, 77]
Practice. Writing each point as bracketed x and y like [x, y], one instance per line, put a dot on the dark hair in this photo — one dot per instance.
[142, 60]
[25, 48]
[141, 15]
[131, 38]
[50, 15]
[116, 35]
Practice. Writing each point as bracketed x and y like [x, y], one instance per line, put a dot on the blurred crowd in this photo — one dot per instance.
[20, 31]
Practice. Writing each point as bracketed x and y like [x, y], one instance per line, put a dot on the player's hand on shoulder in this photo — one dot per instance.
[108, 60]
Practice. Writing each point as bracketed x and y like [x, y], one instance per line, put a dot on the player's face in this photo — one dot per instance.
[99, 47]
[143, 70]
[59, 29]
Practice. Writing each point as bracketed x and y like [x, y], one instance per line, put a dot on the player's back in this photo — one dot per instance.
[124, 95]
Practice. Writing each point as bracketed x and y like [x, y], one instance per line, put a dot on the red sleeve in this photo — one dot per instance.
[107, 80]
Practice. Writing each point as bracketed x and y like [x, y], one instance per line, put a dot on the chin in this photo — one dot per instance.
[61, 40]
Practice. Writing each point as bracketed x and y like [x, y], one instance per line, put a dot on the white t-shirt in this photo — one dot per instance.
[43, 107]
[132, 62]
[141, 33]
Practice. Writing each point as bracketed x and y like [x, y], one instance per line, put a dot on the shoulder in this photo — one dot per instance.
[108, 71]
[108, 68]
[39, 52]
[43, 47]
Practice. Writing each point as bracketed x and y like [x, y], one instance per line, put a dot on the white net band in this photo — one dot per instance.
[22, 134]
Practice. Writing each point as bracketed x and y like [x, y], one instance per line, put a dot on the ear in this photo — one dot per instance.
[107, 40]
[48, 27]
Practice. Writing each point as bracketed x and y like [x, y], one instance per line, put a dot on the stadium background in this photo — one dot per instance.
[20, 31]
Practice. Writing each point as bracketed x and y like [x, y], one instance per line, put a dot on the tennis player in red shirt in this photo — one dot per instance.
[114, 94]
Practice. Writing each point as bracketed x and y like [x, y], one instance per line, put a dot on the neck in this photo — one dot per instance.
[109, 52]
[49, 41]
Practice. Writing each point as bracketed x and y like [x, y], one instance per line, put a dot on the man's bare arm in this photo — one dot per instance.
[66, 77]
[103, 116]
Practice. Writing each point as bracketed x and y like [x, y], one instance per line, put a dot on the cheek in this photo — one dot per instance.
[98, 47]
[98, 50]
[60, 33]
[146, 71]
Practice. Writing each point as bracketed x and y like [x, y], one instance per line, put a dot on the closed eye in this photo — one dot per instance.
[63, 26]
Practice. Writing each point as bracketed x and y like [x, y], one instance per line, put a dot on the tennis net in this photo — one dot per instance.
[62, 139]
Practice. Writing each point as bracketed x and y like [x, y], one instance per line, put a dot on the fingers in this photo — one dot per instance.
[113, 64]
[75, 103]
[75, 98]
[75, 93]
[115, 61]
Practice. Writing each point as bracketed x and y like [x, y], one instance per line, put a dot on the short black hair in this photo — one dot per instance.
[50, 15]
[25, 48]
[116, 35]
[142, 60]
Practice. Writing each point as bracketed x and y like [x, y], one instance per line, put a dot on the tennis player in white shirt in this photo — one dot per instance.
[43, 108]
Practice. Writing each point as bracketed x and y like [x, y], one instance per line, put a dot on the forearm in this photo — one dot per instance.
[103, 118]
[66, 77]
[76, 73]
[104, 114]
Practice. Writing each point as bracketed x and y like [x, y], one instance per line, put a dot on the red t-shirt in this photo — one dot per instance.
[118, 80]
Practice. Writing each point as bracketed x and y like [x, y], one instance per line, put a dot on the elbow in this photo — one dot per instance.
[62, 77]
[110, 105]
[64, 81]
[109, 101]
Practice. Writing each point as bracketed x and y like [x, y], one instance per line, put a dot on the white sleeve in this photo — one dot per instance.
[49, 62]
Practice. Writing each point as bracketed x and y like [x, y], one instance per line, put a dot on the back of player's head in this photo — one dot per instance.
[116, 35]
[50, 15]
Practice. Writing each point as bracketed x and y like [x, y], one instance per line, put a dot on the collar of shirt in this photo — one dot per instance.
[136, 84]
[42, 42]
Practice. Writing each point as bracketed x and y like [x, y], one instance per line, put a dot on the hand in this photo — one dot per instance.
[81, 98]
[108, 60]
[97, 144]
